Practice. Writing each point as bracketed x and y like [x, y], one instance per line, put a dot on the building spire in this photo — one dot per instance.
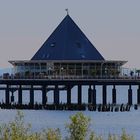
[67, 10]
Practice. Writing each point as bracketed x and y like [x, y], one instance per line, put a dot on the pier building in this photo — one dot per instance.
[65, 60]
[67, 54]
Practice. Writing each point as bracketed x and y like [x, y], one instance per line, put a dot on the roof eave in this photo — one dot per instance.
[120, 62]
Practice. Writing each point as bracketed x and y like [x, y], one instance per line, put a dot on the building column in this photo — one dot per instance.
[56, 95]
[89, 95]
[94, 95]
[7, 95]
[44, 97]
[138, 95]
[79, 94]
[130, 95]
[104, 97]
[20, 95]
[68, 95]
[32, 95]
[114, 95]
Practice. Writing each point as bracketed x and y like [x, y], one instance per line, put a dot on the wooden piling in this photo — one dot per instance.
[114, 95]
[32, 95]
[79, 94]
[68, 95]
[7, 95]
[94, 95]
[89, 95]
[104, 97]
[20, 95]
[44, 98]
[56, 95]
[129, 95]
[138, 95]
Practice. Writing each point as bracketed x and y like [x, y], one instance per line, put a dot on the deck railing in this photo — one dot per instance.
[125, 73]
[49, 77]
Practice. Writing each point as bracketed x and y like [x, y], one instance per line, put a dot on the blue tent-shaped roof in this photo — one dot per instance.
[67, 42]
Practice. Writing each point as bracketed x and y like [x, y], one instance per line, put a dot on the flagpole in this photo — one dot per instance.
[67, 10]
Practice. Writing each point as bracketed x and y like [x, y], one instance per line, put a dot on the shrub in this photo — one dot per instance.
[78, 129]
[78, 126]
[15, 130]
[51, 134]
[125, 136]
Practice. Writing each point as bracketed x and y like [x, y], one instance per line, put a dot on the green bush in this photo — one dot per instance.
[78, 129]
[125, 136]
[17, 130]
[51, 134]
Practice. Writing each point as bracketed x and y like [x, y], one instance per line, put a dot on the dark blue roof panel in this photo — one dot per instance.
[67, 42]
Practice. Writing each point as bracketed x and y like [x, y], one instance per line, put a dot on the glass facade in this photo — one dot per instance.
[67, 70]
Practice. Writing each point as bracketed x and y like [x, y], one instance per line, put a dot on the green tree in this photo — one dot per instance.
[78, 126]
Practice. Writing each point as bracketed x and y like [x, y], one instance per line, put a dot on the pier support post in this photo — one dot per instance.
[56, 95]
[130, 95]
[44, 98]
[104, 95]
[68, 95]
[12, 97]
[32, 95]
[7, 95]
[79, 94]
[89, 95]
[94, 95]
[114, 95]
[138, 95]
[20, 95]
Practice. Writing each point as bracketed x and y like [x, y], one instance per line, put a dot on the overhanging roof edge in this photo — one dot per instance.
[69, 61]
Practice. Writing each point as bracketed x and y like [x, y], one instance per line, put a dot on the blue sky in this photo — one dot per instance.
[112, 26]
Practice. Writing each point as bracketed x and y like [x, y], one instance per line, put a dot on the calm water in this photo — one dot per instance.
[102, 122]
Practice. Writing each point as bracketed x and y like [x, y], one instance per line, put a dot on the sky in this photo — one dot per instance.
[113, 26]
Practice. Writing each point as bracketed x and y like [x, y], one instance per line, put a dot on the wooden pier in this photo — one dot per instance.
[67, 59]
[57, 85]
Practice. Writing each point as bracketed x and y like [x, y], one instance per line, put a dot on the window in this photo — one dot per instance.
[53, 44]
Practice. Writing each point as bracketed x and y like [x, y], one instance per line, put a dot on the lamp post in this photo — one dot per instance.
[102, 70]
[62, 71]
[49, 72]
[106, 72]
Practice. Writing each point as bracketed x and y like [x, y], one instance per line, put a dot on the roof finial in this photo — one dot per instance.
[67, 10]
